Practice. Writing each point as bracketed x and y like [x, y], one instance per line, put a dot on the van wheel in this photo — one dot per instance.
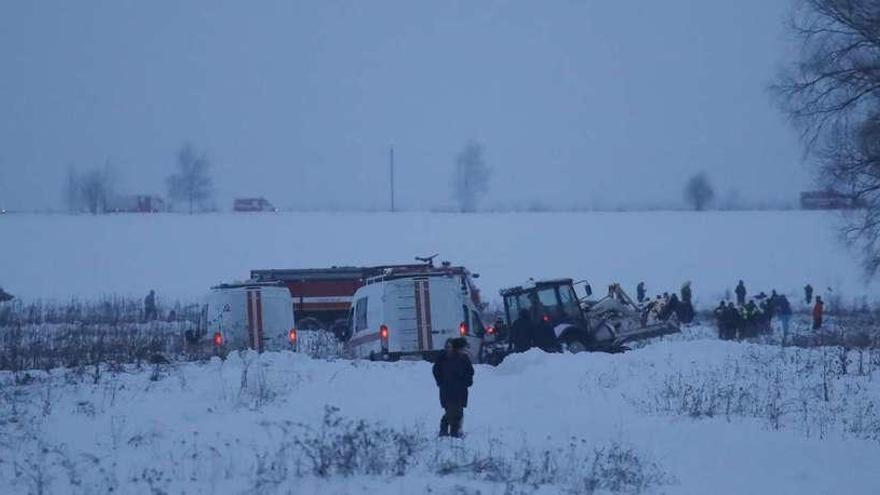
[372, 356]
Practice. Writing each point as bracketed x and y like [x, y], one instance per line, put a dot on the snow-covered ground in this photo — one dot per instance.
[682, 415]
[59, 256]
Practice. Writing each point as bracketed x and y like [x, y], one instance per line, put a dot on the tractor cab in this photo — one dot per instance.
[583, 324]
[548, 302]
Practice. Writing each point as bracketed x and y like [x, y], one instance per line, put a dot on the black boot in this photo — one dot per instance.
[444, 427]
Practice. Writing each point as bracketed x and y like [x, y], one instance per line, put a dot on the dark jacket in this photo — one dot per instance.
[545, 338]
[686, 294]
[453, 374]
[522, 335]
[783, 307]
[740, 291]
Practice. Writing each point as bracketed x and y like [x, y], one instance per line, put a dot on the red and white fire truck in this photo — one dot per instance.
[323, 297]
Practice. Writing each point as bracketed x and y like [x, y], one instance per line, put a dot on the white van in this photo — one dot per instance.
[411, 313]
[250, 315]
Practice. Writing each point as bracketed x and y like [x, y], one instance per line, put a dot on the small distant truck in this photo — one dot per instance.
[248, 315]
[410, 314]
[252, 205]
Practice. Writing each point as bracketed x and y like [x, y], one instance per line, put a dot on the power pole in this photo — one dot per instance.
[392, 177]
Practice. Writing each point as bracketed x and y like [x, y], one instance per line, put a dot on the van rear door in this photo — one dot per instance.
[447, 310]
[401, 305]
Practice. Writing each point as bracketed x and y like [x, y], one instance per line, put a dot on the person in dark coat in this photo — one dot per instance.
[735, 326]
[671, 307]
[545, 336]
[722, 320]
[522, 333]
[150, 312]
[783, 310]
[454, 374]
[808, 293]
[686, 293]
[818, 313]
[740, 293]
[640, 292]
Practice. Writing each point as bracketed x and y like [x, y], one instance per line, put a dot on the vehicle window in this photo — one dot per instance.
[570, 304]
[548, 297]
[523, 302]
[360, 314]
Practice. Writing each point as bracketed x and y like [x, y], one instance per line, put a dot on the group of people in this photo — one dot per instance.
[664, 306]
[754, 316]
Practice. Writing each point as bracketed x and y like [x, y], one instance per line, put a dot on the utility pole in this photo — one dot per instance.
[391, 163]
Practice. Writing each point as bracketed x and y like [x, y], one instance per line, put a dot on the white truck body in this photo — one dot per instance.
[413, 316]
[255, 316]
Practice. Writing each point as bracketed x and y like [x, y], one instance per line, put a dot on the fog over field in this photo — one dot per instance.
[180, 256]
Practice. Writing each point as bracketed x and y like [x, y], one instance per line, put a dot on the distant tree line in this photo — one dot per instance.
[92, 190]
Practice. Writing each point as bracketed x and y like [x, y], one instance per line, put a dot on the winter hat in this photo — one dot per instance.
[459, 343]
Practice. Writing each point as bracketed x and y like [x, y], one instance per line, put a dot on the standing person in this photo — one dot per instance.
[735, 322]
[522, 333]
[783, 310]
[773, 305]
[686, 292]
[818, 313]
[740, 294]
[150, 312]
[545, 337]
[454, 374]
[721, 320]
[808, 293]
[640, 292]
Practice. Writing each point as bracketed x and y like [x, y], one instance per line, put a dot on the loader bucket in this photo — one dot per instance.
[647, 332]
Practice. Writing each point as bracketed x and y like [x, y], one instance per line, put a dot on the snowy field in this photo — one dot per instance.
[684, 415]
[60, 256]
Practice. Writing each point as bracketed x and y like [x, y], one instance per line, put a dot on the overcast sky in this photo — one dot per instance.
[577, 102]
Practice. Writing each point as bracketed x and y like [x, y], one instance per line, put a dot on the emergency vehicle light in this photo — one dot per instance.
[218, 338]
[292, 335]
[463, 329]
[383, 332]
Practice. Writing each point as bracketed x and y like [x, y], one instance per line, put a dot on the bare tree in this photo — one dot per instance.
[832, 94]
[72, 192]
[192, 183]
[698, 192]
[95, 189]
[470, 179]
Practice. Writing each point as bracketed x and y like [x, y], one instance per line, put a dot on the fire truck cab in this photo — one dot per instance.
[410, 312]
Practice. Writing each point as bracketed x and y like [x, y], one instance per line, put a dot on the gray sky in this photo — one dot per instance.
[589, 102]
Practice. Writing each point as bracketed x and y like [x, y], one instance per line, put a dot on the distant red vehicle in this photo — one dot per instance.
[252, 204]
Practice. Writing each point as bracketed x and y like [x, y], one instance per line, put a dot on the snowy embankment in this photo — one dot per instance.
[676, 416]
[60, 256]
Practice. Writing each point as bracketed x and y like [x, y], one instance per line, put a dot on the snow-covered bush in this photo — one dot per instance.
[816, 391]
